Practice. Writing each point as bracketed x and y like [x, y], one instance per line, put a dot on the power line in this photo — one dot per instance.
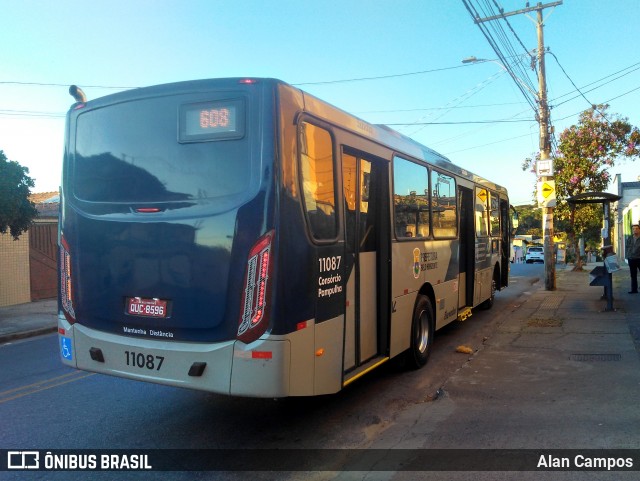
[504, 121]
[437, 108]
[43, 84]
[605, 102]
[621, 95]
[507, 44]
[29, 113]
[503, 59]
[490, 143]
[624, 72]
[554, 141]
[575, 86]
[511, 28]
[465, 134]
[461, 98]
[597, 87]
[380, 77]
[636, 65]
[321, 82]
[627, 70]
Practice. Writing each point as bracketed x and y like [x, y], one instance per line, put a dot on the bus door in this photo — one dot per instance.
[467, 248]
[505, 226]
[365, 193]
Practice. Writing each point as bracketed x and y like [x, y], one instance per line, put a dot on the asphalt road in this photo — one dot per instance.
[44, 405]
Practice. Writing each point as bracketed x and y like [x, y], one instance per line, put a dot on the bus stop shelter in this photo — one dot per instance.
[601, 275]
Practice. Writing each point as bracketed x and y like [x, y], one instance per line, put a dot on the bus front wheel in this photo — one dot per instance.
[422, 331]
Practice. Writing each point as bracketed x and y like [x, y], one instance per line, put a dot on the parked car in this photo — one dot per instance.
[534, 254]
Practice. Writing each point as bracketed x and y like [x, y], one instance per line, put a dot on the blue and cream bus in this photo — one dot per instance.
[241, 236]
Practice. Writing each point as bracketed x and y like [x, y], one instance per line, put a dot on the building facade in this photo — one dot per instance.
[627, 211]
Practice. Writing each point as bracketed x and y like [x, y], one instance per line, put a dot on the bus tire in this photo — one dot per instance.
[422, 331]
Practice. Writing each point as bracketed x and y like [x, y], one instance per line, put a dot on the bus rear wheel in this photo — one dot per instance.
[488, 304]
[422, 331]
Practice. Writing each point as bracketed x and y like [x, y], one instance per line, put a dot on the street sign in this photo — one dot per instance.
[544, 168]
[547, 193]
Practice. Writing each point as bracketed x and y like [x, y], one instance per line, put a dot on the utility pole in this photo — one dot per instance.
[545, 155]
[545, 142]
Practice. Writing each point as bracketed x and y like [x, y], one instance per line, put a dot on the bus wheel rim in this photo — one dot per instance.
[423, 333]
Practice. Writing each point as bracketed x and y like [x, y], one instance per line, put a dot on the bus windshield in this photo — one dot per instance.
[163, 149]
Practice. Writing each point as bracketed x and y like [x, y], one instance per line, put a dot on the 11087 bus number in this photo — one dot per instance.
[329, 263]
[148, 361]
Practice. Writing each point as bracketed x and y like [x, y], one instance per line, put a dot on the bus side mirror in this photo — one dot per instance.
[514, 220]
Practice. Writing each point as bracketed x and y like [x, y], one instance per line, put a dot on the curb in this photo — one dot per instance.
[13, 336]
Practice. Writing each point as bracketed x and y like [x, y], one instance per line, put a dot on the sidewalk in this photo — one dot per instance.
[557, 372]
[30, 319]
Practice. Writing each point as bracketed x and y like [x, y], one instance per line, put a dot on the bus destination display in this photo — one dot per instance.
[211, 121]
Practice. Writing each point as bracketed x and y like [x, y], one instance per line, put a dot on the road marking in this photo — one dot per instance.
[22, 391]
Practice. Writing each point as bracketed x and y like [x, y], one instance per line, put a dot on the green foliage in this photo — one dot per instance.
[588, 150]
[16, 211]
[529, 220]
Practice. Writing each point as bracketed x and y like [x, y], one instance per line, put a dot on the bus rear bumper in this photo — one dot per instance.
[260, 369]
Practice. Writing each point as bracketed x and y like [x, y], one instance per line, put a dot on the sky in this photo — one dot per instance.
[394, 62]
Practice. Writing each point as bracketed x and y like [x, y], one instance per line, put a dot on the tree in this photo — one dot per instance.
[585, 154]
[16, 211]
[529, 220]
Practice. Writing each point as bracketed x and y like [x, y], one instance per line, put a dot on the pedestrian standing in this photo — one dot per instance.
[632, 253]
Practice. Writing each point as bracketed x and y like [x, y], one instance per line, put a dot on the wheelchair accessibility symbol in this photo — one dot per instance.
[65, 348]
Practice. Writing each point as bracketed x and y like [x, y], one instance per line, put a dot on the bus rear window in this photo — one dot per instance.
[132, 152]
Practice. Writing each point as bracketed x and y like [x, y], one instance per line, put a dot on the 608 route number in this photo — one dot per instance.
[148, 361]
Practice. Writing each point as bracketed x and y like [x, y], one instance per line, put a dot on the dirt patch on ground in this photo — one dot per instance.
[544, 323]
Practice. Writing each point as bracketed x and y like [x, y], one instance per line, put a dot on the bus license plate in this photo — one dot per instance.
[137, 306]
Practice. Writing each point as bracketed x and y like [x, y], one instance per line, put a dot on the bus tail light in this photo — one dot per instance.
[254, 310]
[66, 293]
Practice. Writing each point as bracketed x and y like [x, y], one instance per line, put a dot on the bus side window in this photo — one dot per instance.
[481, 212]
[494, 214]
[410, 199]
[318, 184]
[443, 205]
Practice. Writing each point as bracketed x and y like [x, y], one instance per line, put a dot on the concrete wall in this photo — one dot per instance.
[15, 282]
